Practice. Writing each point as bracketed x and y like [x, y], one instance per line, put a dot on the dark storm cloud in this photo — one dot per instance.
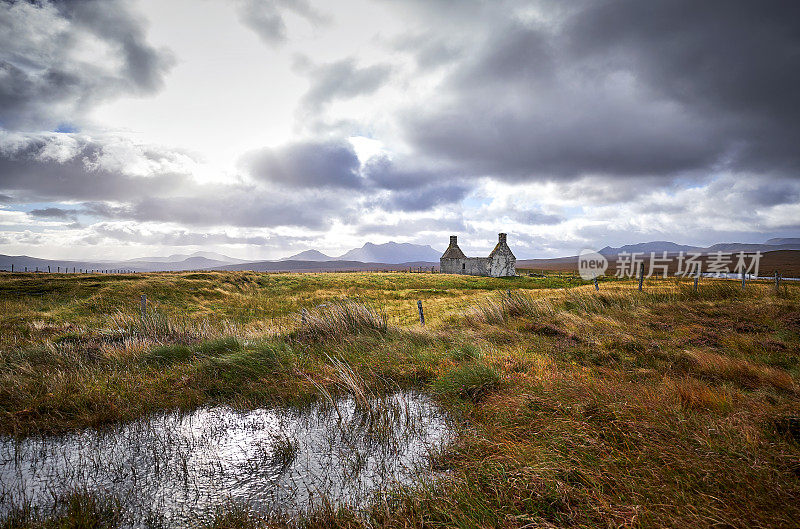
[624, 89]
[386, 173]
[43, 79]
[229, 205]
[53, 213]
[52, 167]
[266, 17]
[333, 164]
[308, 164]
[342, 79]
[737, 63]
[424, 198]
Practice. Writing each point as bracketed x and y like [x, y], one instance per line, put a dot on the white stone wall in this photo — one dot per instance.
[502, 266]
[474, 266]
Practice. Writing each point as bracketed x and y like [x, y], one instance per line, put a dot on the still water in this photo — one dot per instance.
[177, 466]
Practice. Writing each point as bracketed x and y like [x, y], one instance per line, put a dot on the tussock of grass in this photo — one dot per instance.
[472, 381]
[746, 374]
[340, 319]
[156, 326]
[170, 354]
[696, 394]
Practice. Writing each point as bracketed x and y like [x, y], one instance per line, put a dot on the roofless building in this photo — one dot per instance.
[500, 263]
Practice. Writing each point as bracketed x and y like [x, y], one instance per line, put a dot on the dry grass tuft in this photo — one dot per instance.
[339, 319]
[742, 372]
[697, 395]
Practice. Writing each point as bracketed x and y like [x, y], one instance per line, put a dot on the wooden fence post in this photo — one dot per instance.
[143, 305]
[641, 275]
[12, 267]
[777, 282]
[421, 314]
[48, 269]
[696, 280]
[596, 286]
[743, 276]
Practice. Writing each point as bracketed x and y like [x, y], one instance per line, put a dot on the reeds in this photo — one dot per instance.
[78, 510]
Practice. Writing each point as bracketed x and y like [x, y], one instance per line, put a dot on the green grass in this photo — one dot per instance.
[574, 407]
[470, 381]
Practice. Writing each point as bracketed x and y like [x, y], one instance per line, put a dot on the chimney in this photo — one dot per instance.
[453, 240]
[501, 238]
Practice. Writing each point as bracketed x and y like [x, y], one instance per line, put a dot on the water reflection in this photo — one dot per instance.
[178, 466]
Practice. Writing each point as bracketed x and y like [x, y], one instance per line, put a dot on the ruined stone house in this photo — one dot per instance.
[500, 263]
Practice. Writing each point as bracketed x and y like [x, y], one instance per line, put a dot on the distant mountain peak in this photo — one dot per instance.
[391, 253]
[308, 255]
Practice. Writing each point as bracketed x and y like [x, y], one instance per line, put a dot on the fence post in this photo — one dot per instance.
[743, 275]
[143, 305]
[641, 275]
[596, 286]
[12, 267]
[777, 282]
[48, 269]
[421, 314]
[696, 280]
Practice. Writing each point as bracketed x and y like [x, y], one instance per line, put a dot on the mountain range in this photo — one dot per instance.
[388, 256]
[787, 243]
[390, 252]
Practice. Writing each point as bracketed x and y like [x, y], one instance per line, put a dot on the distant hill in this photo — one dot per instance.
[288, 265]
[787, 262]
[647, 247]
[182, 257]
[671, 247]
[785, 240]
[22, 262]
[190, 263]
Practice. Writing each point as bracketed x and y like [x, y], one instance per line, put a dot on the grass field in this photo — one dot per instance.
[575, 408]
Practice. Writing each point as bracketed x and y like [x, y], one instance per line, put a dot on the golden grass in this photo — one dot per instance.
[575, 407]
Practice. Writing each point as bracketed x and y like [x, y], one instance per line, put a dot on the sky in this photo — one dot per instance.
[261, 128]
